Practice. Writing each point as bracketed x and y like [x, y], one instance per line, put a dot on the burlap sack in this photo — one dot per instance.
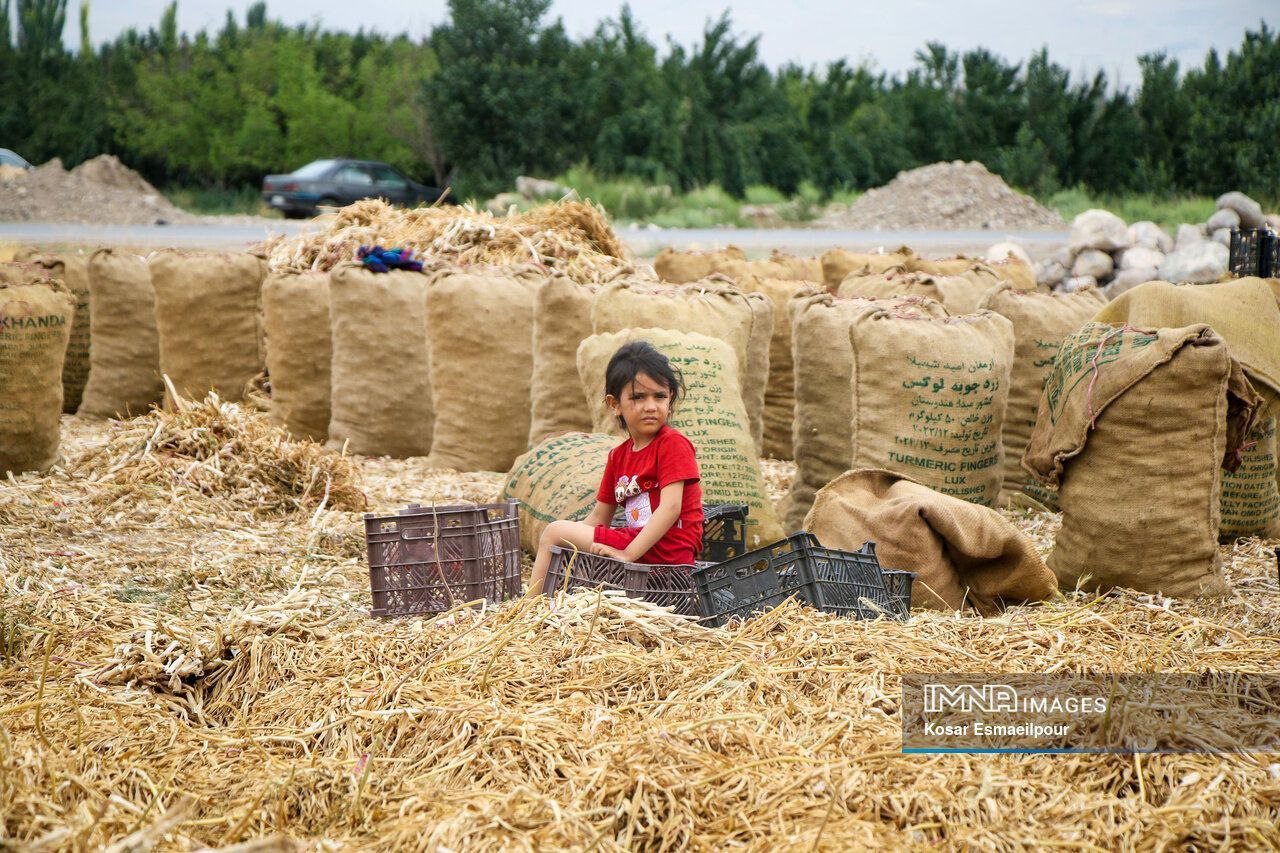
[1041, 322]
[1250, 500]
[777, 265]
[481, 334]
[208, 307]
[124, 359]
[711, 415]
[929, 399]
[823, 371]
[380, 382]
[36, 317]
[1133, 428]
[295, 309]
[561, 321]
[959, 294]
[682, 267]
[1015, 271]
[72, 269]
[779, 393]
[839, 264]
[742, 320]
[1242, 311]
[963, 554]
[557, 479]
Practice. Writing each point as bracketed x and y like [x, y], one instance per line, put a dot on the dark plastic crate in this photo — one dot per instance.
[846, 583]
[670, 586]
[1255, 252]
[431, 559]
[898, 585]
[724, 531]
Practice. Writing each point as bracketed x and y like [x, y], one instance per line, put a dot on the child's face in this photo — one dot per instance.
[644, 407]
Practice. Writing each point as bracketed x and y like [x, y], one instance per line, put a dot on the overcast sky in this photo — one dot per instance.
[1083, 35]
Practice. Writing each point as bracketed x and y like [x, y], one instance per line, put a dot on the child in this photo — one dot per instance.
[653, 474]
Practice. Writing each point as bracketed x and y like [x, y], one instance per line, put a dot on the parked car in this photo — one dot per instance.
[9, 158]
[339, 182]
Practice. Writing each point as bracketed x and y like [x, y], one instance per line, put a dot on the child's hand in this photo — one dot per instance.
[602, 550]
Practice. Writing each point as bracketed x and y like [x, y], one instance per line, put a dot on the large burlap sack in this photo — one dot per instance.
[823, 371]
[929, 399]
[1242, 311]
[711, 415]
[742, 320]
[959, 294]
[682, 267]
[481, 362]
[839, 264]
[561, 321]
[72, 269]
[295, 311]
[1133, 429]
[777, 265]
[1250, 500]
[983, 272]
[380, 382]
[1041, 322]
[557, 479]
[36, 317]
[208, 307]
[962, 553]
[779, 392]
[124, 359]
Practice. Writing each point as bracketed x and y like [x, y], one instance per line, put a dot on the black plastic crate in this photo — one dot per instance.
[846, 583]
[1255, 252]
[898, 585]
[431, 559]
[724, 531]
[671, 586]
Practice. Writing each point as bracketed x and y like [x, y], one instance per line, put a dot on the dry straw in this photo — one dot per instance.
[573, 237]
[181, 671]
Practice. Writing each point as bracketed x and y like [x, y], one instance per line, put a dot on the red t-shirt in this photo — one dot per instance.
[633, 479]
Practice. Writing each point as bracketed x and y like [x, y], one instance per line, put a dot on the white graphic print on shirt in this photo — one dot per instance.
[638, 511]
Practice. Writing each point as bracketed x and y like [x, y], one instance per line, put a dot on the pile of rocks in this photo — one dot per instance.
[1103, 251]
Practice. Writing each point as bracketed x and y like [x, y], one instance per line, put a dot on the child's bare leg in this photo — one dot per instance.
[564, 534]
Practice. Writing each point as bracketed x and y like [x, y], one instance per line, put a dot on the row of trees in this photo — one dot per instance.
[499, 90]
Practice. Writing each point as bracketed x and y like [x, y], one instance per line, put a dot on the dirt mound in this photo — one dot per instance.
[954, 196]
[49, 193]
[107, 169]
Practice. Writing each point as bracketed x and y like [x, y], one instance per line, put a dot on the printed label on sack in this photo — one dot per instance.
[1250, 500]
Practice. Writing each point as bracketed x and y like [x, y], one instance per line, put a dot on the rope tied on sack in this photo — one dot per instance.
[1095, 367]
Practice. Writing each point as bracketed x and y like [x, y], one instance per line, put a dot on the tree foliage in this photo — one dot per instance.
[501, 89]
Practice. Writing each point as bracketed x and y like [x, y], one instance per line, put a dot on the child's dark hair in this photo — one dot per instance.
[634, 358]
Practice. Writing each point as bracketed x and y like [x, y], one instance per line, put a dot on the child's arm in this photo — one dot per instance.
[601, 514]
[658, 524]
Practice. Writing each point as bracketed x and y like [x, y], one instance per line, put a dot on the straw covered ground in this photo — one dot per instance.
[573, 237]
[185, 662]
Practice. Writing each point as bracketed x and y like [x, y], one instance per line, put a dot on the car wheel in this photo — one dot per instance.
[290, 213]
[326, 201]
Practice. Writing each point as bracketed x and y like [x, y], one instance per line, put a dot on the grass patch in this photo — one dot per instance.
[1167, 212]
[245, 200]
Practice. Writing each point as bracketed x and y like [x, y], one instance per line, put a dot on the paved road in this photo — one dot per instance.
[645, 242]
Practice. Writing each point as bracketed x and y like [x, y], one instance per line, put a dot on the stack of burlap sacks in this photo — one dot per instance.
[193, 316]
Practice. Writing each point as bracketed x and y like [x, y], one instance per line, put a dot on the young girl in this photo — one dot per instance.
[653, 474]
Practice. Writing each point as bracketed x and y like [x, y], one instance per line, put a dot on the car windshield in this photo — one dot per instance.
[8, 158]
[314, 169]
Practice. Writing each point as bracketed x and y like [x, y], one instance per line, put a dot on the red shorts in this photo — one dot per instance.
[667, 551]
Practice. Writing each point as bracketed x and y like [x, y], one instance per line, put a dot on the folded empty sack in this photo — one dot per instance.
[963, 554]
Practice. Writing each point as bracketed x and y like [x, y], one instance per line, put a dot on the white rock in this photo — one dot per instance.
[1223, 236]
[1250, 211]
[1066, 256]
[1273, 219]
[1225, 218]
[1099, 229]
[1131, 278]
[1094, 263]
[1078, 282]
[1050, 273]
[536, 189]
[502, 202]
[1150, 236]
[1198, 263]
[1188, 235]
[1139, 257]
[1001, 252]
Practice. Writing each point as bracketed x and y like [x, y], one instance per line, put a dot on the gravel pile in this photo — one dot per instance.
[955, 196]
[97, 191]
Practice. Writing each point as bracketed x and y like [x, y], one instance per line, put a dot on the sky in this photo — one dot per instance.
[1082, 35]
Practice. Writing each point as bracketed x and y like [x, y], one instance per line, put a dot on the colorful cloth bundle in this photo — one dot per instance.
[379, 259]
